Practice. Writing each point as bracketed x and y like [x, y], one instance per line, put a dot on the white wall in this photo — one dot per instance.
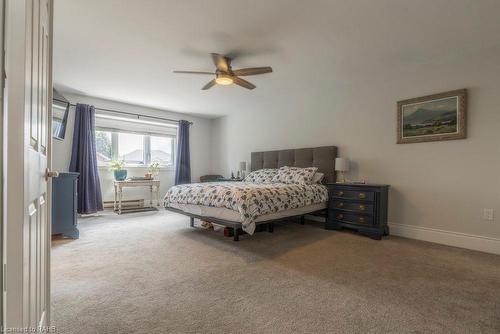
[439, 185]
[200, 140]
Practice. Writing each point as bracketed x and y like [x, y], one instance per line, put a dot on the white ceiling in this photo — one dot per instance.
[125, 50]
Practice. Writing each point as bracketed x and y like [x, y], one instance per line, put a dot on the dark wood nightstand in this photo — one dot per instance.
[362, 207]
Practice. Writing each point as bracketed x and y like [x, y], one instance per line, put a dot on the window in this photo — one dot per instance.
[103, 146]
[135, 149]
[162, 149]
[131, 148]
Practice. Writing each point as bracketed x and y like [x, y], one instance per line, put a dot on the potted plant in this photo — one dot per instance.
[154, 169]
[117, 166]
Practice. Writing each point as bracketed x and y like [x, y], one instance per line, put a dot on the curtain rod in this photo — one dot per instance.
[129, 113]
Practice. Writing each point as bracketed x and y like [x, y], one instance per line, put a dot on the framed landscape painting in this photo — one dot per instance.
[433, 117]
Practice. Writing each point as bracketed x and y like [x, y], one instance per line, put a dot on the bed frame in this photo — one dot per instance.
[321, 157]
[236, 226]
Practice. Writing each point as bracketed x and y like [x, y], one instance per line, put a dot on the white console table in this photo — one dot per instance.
[154, 187]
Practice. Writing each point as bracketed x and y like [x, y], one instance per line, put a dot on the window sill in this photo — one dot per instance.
[162, 169]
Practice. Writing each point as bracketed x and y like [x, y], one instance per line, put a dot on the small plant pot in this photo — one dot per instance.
[120, 175]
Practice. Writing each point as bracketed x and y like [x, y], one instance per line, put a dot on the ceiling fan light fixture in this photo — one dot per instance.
[224, 80]
[225, 75]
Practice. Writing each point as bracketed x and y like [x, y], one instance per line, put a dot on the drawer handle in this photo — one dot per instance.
[361, 219]
[341, 216]
[340, 205]
[362, 207]
[340, 193]
[362, 195]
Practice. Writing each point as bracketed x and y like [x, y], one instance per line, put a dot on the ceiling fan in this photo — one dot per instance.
[225, 75]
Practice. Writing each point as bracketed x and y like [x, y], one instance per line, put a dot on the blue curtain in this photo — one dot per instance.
[183, 162]
[84, 160]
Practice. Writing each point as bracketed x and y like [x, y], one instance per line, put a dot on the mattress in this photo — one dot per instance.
[245, 202]
[235, 216]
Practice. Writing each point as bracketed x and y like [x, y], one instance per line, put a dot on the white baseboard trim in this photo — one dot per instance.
[456, 239]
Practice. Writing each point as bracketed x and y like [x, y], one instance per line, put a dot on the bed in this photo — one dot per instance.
[243, 206]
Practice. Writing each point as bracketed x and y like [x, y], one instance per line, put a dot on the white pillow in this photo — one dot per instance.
[317, 178]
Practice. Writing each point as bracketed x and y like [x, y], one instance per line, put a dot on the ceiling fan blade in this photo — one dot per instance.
[252, 71]
[222, 63]
[243, 83]
[209, 85]
[194, 72]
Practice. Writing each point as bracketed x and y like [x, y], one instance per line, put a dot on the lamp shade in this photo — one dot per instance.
[341, 164]
[243, 166]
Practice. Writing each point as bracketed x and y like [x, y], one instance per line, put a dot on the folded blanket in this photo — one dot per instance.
[251, 200]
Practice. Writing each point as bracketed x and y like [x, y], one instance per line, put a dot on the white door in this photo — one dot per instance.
[28, 92]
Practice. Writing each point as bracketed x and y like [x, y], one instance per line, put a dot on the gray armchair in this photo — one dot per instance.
[210, 178]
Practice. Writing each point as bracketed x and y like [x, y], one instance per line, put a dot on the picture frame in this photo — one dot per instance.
[434, 117]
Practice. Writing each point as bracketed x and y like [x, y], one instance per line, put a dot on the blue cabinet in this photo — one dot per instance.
[64, 205]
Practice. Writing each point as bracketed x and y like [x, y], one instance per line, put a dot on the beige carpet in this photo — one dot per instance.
[151, 273]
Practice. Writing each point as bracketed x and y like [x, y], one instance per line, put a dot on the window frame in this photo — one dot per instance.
[146, 147]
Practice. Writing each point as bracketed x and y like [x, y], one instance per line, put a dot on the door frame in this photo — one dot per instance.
[2, 83]
[15, 171]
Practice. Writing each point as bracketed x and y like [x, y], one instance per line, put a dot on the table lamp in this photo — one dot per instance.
[243, 168]
[342, 166]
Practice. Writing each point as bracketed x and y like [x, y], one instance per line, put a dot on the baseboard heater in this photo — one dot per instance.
[126, 204]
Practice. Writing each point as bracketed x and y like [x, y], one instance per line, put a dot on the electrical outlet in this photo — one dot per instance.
[488, 214]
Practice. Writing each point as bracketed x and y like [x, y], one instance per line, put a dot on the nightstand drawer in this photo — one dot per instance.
[338, 204]
[351, 218]
[352, 194]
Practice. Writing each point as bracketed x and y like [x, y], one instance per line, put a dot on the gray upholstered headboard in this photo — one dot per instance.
[321, 157]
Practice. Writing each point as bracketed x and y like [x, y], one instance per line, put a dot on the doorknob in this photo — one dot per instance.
[50, 174]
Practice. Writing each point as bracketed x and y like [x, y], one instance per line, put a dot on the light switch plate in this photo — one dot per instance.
[488, 214]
